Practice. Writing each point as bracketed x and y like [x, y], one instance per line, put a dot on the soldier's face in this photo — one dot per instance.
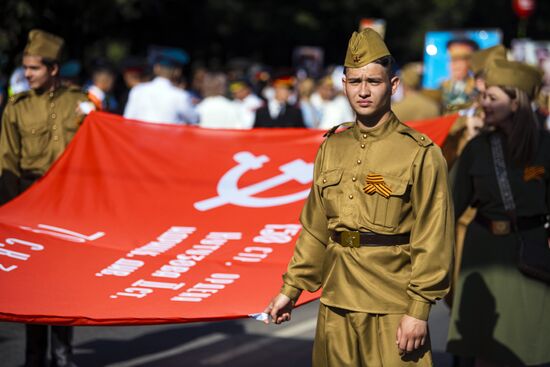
[37, 73]
[369, 90]
[497, 106]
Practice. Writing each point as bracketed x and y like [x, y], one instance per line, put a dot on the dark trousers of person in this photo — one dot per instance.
[36, 353]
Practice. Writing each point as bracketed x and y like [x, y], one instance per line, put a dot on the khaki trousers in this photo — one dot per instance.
[347, 339]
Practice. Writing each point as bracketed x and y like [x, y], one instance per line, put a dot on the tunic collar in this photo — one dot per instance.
[51, 93]
[377, 132]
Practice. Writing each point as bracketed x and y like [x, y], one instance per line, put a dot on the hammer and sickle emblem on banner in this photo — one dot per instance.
[230, 193]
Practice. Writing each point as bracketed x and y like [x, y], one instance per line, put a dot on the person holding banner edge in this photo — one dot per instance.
[37, 125]
[378, 228]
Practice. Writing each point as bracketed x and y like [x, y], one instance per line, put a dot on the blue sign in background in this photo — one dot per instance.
[436, 57]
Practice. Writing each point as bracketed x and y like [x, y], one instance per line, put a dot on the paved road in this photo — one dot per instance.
[234, 343]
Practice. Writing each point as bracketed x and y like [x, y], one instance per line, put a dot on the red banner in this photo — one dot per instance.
[142, 223]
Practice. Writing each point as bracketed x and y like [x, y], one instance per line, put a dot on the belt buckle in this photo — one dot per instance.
[500, 227]
[350, 239]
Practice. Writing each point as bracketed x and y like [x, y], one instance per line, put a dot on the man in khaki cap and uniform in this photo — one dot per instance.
[377, 228]
[36, 127]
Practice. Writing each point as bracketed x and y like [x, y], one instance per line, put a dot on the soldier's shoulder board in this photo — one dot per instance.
[18, 97]
[338, 129]
[421, 139]
[76, 89]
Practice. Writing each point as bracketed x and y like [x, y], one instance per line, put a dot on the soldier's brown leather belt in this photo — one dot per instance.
[357, 239]
[504, 227]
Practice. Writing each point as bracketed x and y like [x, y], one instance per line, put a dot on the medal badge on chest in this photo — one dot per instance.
[375, 183]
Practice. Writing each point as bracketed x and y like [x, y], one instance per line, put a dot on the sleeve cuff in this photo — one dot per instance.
[291, 292]
[419, 310]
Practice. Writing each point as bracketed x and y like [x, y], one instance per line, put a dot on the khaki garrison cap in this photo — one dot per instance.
[482, 58]
[514, 74]
[364, 47]
[44, 44]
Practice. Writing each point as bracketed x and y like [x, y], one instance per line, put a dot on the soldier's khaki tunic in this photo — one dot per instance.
[386, 279]
[36, 128]
[367, 290]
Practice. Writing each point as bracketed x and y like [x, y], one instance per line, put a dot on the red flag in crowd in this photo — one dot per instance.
[142, 223]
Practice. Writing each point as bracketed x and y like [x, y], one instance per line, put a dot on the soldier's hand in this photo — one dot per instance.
[411, 334]
[279, 309]
[84, 108]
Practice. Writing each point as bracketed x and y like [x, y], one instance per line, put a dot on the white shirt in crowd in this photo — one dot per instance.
[218, 112]
[333, 112]
[248, 106]
[160, 101]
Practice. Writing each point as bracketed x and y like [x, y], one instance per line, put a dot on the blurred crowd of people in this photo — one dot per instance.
[166, 87]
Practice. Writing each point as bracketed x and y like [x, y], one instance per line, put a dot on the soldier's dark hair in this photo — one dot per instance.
[523, 136]
[51, 63]
[388, 62]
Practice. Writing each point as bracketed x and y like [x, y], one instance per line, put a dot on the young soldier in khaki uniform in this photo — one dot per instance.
[36, 127]
[377, 228]
[38, 124]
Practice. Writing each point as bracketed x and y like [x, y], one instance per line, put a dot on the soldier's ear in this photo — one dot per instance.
[54, 70]
[394, 84]
[344, 85]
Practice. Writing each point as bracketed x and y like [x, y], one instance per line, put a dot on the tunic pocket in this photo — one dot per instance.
[34, 140]
[387, 210]
[328, 184]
